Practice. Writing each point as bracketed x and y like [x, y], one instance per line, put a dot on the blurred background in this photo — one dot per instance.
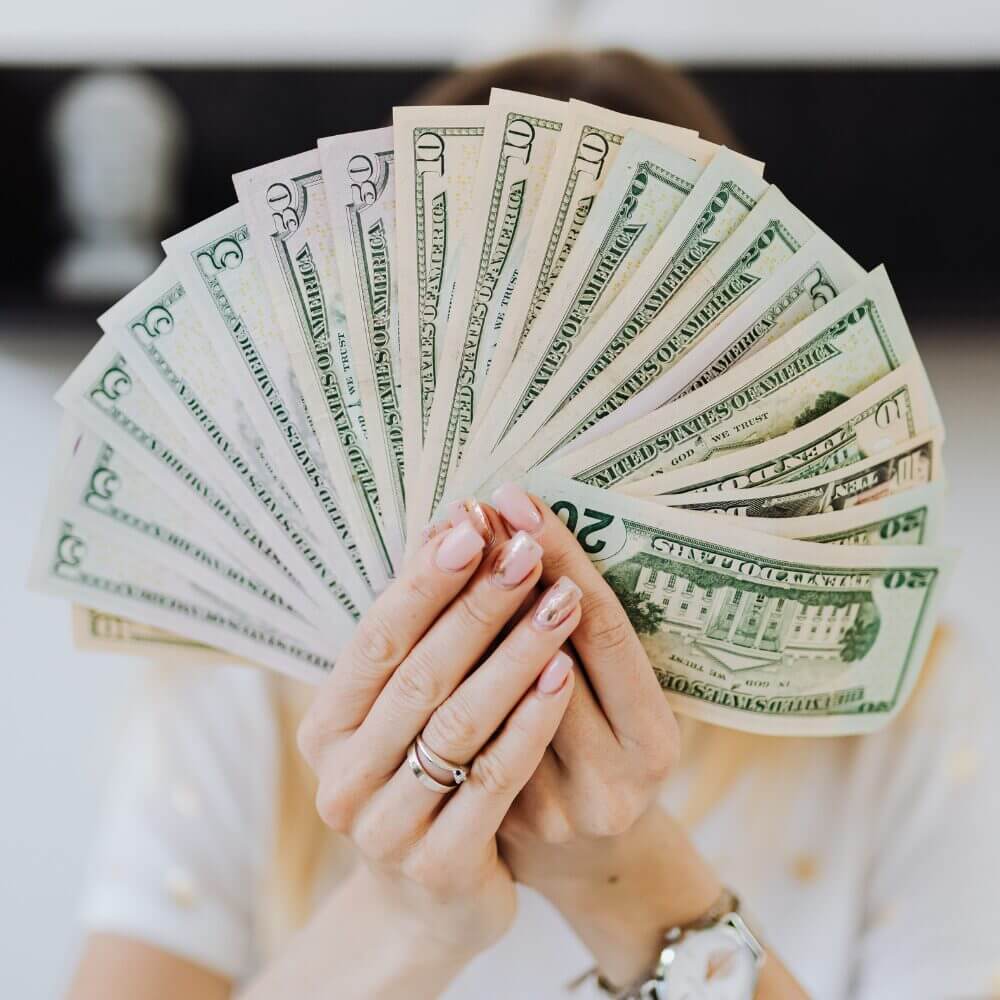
[121, 127]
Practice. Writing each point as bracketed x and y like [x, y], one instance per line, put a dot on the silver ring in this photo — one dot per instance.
[458, 773]
[430, 783]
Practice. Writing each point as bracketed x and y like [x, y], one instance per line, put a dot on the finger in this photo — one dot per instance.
[584, 737]
[452, 646]
[463, 723]
[473, 814]
[608, 647]
[402, 810]
[387, 632]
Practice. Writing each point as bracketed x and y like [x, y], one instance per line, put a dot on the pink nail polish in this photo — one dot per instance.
[469, 510]
[517, 508]
[557, 603]
[459, 546]
[554, 674]
[515, 560]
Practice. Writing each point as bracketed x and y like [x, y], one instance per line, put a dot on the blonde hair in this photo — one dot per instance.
[304, 849]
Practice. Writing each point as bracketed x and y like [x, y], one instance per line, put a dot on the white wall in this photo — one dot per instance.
[332, 31]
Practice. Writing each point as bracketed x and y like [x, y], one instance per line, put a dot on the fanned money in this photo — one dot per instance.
[82, 560]
[647, 186]
[830, 357]
[728, 413]
[110, 494]
[588, 146]
[681, 302]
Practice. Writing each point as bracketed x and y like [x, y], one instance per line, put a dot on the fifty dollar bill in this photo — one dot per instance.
[359, 177]
[287, 205]
[215, 262]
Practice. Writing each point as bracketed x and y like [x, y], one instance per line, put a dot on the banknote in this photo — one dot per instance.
[911, 517]
[643, 335]
[757, 632]
[285, 202]
[436, 153]
[806, 281]
[108, 398]
[828, 358]
[520, 138]
[912, 463]
[646, 188]
[215, 262]
[161, 339]
[96, 631]
[894, 409]
[102, 570]
[359, 175]
[588, 146]
[102, 488]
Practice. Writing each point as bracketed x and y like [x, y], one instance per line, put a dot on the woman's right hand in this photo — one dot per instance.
[415, 666]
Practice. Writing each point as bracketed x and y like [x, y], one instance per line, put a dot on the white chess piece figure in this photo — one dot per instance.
[117, 140]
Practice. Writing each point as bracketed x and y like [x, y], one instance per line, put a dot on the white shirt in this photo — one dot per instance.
[870, 865]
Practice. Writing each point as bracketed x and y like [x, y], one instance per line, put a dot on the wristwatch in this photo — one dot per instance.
[716, 957]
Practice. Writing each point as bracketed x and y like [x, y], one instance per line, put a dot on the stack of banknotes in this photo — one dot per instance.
[724, 407]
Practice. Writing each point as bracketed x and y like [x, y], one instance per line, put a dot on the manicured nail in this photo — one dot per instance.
[557, 603]
[516, 559]
[553, 676]
[469, 510]
[517, 508]
[458, 547]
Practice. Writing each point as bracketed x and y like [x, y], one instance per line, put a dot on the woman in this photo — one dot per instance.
[868, 863]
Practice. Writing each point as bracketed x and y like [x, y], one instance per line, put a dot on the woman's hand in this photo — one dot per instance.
[426, 660]
[618, 740]
[585, 831]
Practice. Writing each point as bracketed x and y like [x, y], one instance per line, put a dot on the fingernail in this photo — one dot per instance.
[458, 548]
[517, 508]
[554, 674]
[516, 559]
[557, 603]
[469, 510]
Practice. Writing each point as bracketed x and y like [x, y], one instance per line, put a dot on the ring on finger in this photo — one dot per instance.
[420, 772]
[457, 771]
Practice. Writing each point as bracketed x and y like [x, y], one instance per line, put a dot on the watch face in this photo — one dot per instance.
[713, 964]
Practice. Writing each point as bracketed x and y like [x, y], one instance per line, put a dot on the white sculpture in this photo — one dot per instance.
[117, 140]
